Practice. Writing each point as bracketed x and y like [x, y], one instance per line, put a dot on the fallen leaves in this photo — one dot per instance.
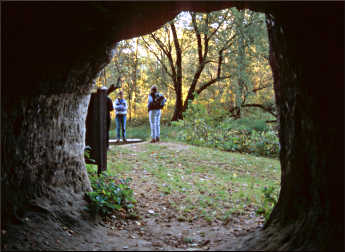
[170, 184]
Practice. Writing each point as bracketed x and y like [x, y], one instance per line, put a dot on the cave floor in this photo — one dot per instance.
[150, 235]
[152, 231]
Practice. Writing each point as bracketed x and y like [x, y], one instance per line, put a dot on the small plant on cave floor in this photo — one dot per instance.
[110, 195]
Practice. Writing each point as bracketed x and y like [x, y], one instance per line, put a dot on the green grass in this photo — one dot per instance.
[143, 132]
[202, 182]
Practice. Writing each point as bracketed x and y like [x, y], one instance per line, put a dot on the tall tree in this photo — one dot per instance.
[211, 39]
[173, 51]
[250, 51]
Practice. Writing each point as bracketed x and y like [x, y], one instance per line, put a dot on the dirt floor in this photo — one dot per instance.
[157, 228]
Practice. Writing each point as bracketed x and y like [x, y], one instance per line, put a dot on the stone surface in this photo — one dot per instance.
[45, 148]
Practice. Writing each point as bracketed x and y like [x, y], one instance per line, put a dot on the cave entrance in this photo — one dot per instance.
[236, 85]
[43, 121]
[296, 101]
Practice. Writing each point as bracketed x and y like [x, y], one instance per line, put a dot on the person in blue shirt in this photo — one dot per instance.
[120, 106]
[156, 102]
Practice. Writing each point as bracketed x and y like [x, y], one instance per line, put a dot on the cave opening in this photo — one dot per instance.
[307, 215]
[128, 48]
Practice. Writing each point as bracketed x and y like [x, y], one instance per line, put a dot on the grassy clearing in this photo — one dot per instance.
[199, 182]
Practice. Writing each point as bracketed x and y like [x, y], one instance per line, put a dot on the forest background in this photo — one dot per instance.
[214, 71]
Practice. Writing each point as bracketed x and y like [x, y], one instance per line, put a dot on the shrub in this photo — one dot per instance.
[109, 193]
[108, 196]
[243, 135]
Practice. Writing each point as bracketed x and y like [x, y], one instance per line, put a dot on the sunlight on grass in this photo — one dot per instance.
[202, 182]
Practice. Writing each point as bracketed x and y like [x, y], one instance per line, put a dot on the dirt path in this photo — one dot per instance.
[162, 228]
[158, 228]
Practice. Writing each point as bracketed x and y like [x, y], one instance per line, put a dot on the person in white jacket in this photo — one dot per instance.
[120, 106]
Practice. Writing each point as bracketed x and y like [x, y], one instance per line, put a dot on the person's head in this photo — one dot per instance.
[121, 94]
[153, 89]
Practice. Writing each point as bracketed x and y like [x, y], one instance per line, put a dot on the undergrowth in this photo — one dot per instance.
[109, 195]
[268, 200]
[246, 135]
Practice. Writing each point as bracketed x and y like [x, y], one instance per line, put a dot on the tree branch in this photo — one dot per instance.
[260, 88]
[198, 37]
[267, 109]
[220, 60]
[178, 54]
[206, 39]
[209, 83]
[169, 41]
[158, 58]
[159, 43]
[220, 24]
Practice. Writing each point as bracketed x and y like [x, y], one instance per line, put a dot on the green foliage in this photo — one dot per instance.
[246, 125]
[109, 193]
[87, 152]
[237, 39]
[268, 200]
[204, 128]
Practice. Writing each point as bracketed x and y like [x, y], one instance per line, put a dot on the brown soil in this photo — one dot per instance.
[157, 228]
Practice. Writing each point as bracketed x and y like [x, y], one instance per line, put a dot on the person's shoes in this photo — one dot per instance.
[153, 140]
[125, 140]
[117, 141]
[157, 139]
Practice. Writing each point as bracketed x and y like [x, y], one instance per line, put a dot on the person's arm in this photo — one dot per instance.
[114, 103]
[125, 106]
[150, 100]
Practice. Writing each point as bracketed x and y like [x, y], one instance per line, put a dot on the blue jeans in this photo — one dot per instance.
[121, 122]
[155, 117]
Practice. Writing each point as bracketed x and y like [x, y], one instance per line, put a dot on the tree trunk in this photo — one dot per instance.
[178, 105]
[178, 78]
[130, 108]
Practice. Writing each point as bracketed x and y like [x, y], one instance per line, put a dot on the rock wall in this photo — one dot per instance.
[308, 215]
[51, 64]
[44, 106]
[44, 144]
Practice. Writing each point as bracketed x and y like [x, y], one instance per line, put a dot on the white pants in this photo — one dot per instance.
[155, 117]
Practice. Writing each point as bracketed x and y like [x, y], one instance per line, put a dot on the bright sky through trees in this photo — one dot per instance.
[197, 57]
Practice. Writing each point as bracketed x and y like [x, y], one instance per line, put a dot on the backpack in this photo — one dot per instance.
[158, 101]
